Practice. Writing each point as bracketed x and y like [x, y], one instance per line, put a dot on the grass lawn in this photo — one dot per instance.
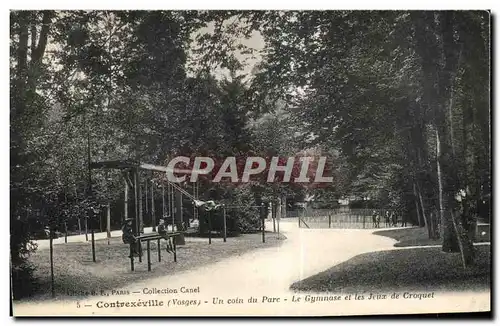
[75, 272]
[418, 236]
[412, 269]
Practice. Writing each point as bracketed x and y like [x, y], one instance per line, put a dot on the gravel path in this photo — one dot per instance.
[266, 273]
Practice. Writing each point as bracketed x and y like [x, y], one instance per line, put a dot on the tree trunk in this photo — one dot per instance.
[426, 223]
[449, 240]
[22, 62]
[65, 232]
[283, 211]
[437, 47]
[468, 216]
[100, 222]
[459, 239]
[431, 226]
[86, 229]
[51, 250]
[416, 205]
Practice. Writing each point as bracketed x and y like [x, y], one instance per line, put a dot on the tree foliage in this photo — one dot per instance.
[379, 91]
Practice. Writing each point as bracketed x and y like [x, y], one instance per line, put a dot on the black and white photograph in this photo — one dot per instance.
[289, 163]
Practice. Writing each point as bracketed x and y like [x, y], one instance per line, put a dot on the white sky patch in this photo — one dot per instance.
[249, 61]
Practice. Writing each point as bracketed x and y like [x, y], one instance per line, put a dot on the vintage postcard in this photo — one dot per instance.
[250, 163]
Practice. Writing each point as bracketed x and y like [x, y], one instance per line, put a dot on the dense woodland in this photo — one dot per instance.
[400, 101]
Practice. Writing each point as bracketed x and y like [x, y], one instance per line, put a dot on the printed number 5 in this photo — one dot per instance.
[78, 304]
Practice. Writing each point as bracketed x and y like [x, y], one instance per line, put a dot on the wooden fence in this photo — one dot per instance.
[341, 218]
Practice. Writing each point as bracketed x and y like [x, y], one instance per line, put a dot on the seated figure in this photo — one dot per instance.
[128, 231]
[128, 236]
[161, 227]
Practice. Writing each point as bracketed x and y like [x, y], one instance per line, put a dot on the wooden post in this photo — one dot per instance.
[278, 218]
[136, 202]
[148, 248]
[146, 187]
[51, 246]
[108, 222]
[153, 217]
[93, 240]
[225, 226]
[163, 202]
[278, 226]
[329, 221]
[209, 227]
[179, 219]
[172, 206]
[89, 194]
[181, 213]
[125, 202]
[141, 220]
[263, 213]
[174, 245]
[194, 206]
[273, 215]
[158, 247]
[139, 250]
[132, 257]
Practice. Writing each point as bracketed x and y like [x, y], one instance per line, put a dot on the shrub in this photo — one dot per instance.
[241, 214]
[244, 213]
[23, 280]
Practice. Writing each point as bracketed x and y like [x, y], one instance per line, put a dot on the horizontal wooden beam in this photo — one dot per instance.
[129, 164]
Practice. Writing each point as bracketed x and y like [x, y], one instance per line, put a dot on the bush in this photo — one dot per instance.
[247, 219]
[325, 205]
[23, 280]
[245, 214]
[362, 204]
[241, 214]
[242, 219]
